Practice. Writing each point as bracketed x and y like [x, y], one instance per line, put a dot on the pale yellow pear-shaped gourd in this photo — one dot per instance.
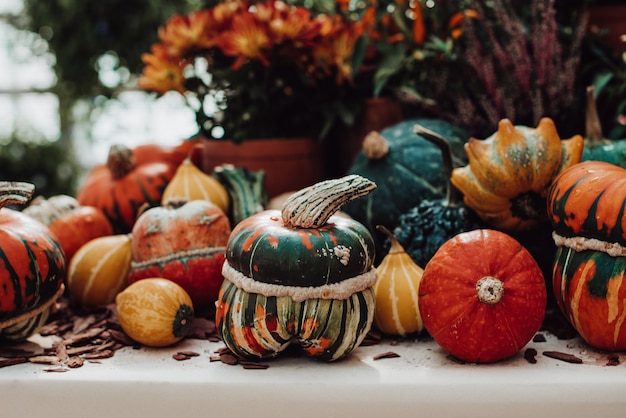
[190, 183]
[396, 289]
[99, 270]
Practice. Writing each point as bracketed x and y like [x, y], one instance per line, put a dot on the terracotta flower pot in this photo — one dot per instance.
[289, 163]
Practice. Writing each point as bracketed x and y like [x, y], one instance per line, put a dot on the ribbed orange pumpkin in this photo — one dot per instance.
[184, 242]
[122, 186]
[72, 224]
[482, 296]
[99, 270]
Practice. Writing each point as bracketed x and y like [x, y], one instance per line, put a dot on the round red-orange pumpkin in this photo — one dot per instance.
[185, 243]
[72, 224]
[482, 296]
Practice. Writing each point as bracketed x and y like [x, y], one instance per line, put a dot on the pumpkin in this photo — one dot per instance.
[406, 169]
[586, 207]
[32, 266]
[508, 174]
[121, 187]
[155, 312]
[72, 224]
[301, 273]
[482, 296]
[396, 290]
[191, 183]
[597, 147]
[99, 270]
[430, 223]
[172, 155]
[184, 242]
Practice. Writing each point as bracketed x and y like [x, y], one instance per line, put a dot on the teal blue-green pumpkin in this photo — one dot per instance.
[300, 274]
[406, 169]
[597, 147]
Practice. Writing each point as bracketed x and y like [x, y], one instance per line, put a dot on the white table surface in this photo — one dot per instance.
[422, 382]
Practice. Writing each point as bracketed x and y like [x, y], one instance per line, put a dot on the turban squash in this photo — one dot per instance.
[587, 208]
[32, 266]
[509, 173]
[301, 273]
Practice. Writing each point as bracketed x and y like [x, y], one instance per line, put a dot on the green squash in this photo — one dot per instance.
[302, 274]
[408, 171]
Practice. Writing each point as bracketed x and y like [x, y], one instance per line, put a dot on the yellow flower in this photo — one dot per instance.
[162, 72]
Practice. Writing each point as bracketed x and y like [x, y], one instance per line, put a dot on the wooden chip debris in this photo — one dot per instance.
[566, 357]
[388, 354]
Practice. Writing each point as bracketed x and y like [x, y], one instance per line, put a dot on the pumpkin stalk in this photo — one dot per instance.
[312, 206]
[120, 161]
[593, 127]
[396, 247]
[453, 196]
[15, 192]
[489, 290]
[375, 146]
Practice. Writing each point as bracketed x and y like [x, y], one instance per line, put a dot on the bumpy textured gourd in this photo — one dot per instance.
[586, 207]
[301, 274]
[33, 267]
[597, 147]
[431, 222]
[508, 174]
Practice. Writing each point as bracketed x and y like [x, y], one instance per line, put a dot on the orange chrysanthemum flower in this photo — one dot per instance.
[248, 39]
[162, 72]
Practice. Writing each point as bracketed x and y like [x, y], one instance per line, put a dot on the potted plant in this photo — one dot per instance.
[268, 70]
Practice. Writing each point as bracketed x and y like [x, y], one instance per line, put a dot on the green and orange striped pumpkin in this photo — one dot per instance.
[32, 266]
[586, 205]
[122, 186]
[300, 274]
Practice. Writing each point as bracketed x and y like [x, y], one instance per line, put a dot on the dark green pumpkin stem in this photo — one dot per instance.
[453, 196]
[312, 206]
[120, 161]
[15, 193]
[593, 128]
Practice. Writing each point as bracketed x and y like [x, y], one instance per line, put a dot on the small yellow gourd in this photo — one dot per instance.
[191, 183]
[99, 270]
[396, 289]
[155, 312]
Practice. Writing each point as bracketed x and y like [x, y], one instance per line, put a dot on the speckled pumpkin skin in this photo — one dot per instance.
[263, 249]
[32, 266]
[184, 244]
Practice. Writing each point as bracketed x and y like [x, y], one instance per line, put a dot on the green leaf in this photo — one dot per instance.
[390, 65]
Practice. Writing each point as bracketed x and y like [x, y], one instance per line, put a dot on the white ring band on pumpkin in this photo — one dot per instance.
[341, 290]
[581, 243]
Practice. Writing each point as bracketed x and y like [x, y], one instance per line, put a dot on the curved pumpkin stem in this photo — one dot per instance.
[312, 206]
[120, 161]
[453, 195]
[593, 128]
[15, 193]
[396, 247]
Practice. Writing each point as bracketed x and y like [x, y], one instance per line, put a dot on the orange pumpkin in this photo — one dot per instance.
[122, 186]
[72, 224]
[482, 296]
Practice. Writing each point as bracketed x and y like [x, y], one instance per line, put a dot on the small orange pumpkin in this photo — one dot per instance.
[482, 296]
